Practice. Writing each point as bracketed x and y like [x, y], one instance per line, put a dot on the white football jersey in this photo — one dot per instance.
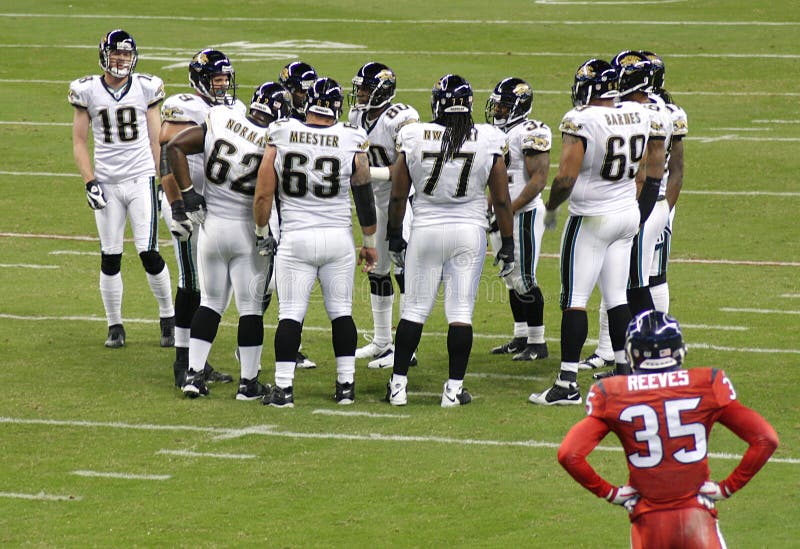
[234, 146]
[382, 132]
[190, 108]
[314, 165]
[452, 191]
[119, 124]
[528, 135]
[615, 139]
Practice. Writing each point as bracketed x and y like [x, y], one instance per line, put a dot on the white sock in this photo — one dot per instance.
[382, 319]
[284, 374]
[604, 349]
[454, 385]
[402, 303]
[535, 334]
[345, 369]
[399, 379]
[198, 354]
[660, 295]
[249, 360]
[620, 358]
[111, 292]
[182, 337]
[520, 329]
[162, 290]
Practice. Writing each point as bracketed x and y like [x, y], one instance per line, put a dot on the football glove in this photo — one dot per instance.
[195, 206]
[397, 248]
[492, 219]
[626, 496]
[714, 491]
[180, 226]
[550, 219]
[95, 195]
[506, 255]
[266, 245]
[159, 196]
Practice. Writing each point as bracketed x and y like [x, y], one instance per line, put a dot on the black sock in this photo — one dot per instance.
[639, 299]
[618, 319]
[406, 341]
[205, 324]
[574, 329]
[344, 335]
[459, 346]
[287, 340]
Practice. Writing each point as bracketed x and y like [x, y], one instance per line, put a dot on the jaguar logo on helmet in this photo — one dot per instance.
[628, 60]
[385, 74]
[284, 73]
[522, 89]
[586, 71]
[201, 58]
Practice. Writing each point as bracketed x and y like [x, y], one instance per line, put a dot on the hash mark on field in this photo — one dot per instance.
[324, 412]
[187, 453]
[268, 430]
[27, 266]
[123, 476]
[40, 496]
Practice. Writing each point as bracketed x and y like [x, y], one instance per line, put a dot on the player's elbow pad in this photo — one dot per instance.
[164, 168]
[365, 204]
[648, 197]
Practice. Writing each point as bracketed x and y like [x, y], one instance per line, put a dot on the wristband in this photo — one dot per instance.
[379, 174]
[262, 231]
[369, 240]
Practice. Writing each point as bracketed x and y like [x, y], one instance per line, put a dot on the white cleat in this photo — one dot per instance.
[396, 393]
[373, 351]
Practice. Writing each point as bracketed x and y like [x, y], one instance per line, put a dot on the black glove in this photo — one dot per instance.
[95, 195]
[266, 245]
[195, 206]
[397, 247]
[506, 255]
[181, 226]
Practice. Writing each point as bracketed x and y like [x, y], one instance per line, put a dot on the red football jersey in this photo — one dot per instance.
[663, 421]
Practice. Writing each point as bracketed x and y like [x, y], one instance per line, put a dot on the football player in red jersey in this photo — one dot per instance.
[663, 416]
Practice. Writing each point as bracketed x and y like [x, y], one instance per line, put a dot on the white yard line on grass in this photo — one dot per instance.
[71, 252]
[187, 453]
[41, 496]
[269, 430]
[759, 311]
[123, 476]
[325, 412]
[27, 266]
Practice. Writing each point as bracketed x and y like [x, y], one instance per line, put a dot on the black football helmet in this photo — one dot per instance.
[379, 81]
[297, 77]
[659, 69]
[516, 96]
[325, 98]
[654, 342]
[595, 78]
[635, 72]
[204, 66]
[451, 94]
[118, 40]
[273, 100]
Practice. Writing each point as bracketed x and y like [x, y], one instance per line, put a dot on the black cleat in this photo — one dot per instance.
[179, 368]
[280, 397]
[213, 376]
[516, 345]
[252, 389]
[533, 351]
[116, 336]
[345, 393]
[560, 394]
[194, 384]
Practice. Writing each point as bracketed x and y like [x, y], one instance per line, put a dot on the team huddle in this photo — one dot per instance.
[258, 199]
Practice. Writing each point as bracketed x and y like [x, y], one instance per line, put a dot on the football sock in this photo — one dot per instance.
[574, 328]
[162, 290]
[111, 292]
[604, 349]
[382, 319]
[660, 296]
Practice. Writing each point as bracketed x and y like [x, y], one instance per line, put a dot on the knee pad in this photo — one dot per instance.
[380, 284]
[110, 263]
[152, 261]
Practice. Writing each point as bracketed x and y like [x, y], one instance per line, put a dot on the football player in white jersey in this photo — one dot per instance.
[528, 161]
[602, 146]
[374, 86]
[310, 168]
[450, 162]
[122, 109]
[636, 74]
[212, 76]
[297, 77]
[228, 256]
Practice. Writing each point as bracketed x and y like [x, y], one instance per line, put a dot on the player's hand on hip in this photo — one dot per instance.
[180, 226]
[626, 496]
[95, 195]
[195, 206]
[710, 493]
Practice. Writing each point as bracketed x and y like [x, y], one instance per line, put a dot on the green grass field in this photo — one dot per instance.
[217, 472]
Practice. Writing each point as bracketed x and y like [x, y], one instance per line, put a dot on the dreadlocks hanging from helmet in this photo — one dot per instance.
[451, 104]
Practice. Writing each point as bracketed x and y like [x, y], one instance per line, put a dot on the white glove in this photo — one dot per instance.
[550, 219]
[195, 206]
[95, 195]
[713, 490]
[625, 495]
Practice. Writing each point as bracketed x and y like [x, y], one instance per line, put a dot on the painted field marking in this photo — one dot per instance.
[325, 412]
[758, 311]
[325, 329]
[790, 295]
[515, 22]
[123, 476]
[269, 430]
[41, 496]
[775, 121]
[71, 252]
[187, 453]
[27, 266]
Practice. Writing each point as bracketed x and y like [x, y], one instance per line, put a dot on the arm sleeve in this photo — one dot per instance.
[579, 442]
[751, 427]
